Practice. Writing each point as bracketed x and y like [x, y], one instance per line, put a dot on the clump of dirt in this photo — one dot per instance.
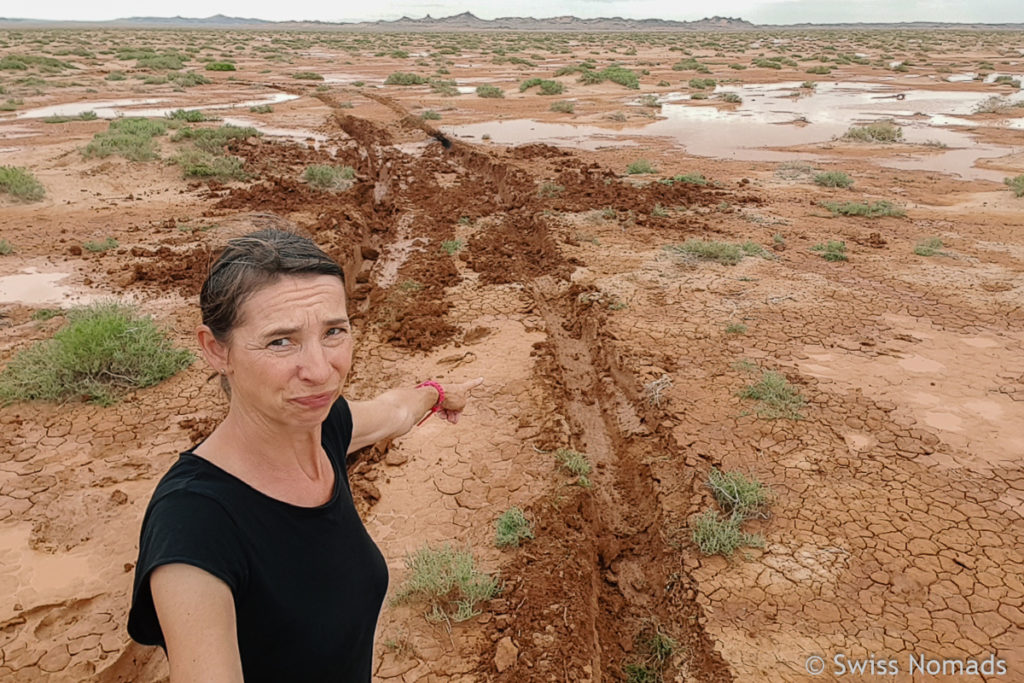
[518, 248]
[168, 268]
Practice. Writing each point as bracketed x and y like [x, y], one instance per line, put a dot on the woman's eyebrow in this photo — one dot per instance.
[286, 331]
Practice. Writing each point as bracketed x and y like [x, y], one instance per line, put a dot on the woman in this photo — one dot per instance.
[253, 563]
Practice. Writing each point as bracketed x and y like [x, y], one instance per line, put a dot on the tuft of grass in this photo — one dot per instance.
[99, 247]
[131, 138]
[931, 246]
[873, 210]
[731, 98]
[189, 115]
[548, 189]
[307, 76]
[512, 528]
[19, 183]
[404, 78]
[5, 247]
[688, 178]
[430, 115]
[722, 252]
[104, 350]
[654, 648]
[833, 250]
[640, 166]
[563, 107]
[160, 63]
[654, 389]
[778, 398]
[546, 87]
[220, 66]
[1016, 184]
[735, 328]
[261, 109]
[833, 179]
[489, 91]
[715, 535]
[203, 164]
[47, 313]
[448, 581]
[997, 105]
[329, 177]
[883, 131]
[575, 463]
[452, 246]
[739, 495]
[214, 139]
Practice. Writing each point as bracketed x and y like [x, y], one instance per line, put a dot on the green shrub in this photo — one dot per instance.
[873, 210]
[489, 91]
[1016, 184]
[546, 87]
[653, 650]
[622, 76]
[929, 247]
[832, 251]
[19, 183]
[739, 495]
[99, 247]
[160, 63]
[640, 166]
[884, 131]
[451, 246]
[104, 350]
[11, 104]
[731, 98]
[833, 179]
[448, 581]
[701, 83]
[548, 190]
[575, 463]
[307, 76]
[512, 528]
[722, 252]
[689, 178]
[188, 79]
[715, 535]
[820, 69]
[402, 78]
[131, 138]
[189, 115]
[430, 115]
[5, 247]
[767, 63]
[204, 164]
[735, 328]
[329, 177]
[777, 397]
[214, 139]
[688, 64]
[220, 66]
[261, 109]
[563, 107]
[116, 76]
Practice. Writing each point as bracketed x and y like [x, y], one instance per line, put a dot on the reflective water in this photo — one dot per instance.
[299, 134]
[778, 115]
[110, 109]
[32, 288]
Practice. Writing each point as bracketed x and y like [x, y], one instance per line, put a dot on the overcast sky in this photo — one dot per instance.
[757, 11]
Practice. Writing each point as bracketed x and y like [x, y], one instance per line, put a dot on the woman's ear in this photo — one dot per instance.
[215, 352]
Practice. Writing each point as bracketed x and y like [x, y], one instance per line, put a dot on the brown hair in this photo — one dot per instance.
[250, 263]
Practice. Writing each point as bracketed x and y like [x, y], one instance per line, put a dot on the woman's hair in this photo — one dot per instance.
[250, 263]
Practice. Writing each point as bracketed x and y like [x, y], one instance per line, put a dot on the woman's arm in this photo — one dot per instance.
[396, 411]
[197, 616]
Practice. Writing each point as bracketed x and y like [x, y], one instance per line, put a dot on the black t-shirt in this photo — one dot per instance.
[308, 583]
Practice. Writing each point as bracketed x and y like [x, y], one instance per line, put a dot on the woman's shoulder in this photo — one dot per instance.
[193, 476]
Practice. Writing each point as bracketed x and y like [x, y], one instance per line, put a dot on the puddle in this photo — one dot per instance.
[299, 134]
[32, 288]
[764, 121]
[347, 78]
[110, 109]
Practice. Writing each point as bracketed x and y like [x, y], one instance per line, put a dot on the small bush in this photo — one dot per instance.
[451, 246]
[654, 648]
[778, 398]
[874, 210]
[563, 107]
[448, 581]
[131, 138]
[731, 98]
[820, 69]
[767, 63]
[98, 247]
[19, 183]
[160, 63]
[189, 115]
[739, 495]
[489, 91]
[721, 252]
[546, 87]
[104, 350]
[188, 79]
[735, 328]
[640, 166]
[307, 76]
[575, 463]
[715, 535]
[548, 190]
[329, 177]
[884, 131]
[5, 247]
[214, 139]
[261, 109]
[1016, 184]
[512, 528]
[220, 66]
[833, 179]
[688, 178]
[929, 247]
[116, 76]
[832, 251]
[203, 164]
[430, 115]
[403, 78]
[622, 76]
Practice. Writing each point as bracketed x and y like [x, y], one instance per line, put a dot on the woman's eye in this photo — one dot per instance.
[279, 343]
[336, 331]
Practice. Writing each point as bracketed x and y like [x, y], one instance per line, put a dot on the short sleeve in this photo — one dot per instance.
[188, 528]
[337, 429]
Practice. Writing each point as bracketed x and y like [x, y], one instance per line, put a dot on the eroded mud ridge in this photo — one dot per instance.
[896, 520]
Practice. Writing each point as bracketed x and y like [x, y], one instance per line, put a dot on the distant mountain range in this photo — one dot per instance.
[467, 21]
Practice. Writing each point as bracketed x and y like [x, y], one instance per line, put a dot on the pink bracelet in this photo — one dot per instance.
[440, 398]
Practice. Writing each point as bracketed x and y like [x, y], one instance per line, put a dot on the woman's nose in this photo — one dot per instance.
[314, 365]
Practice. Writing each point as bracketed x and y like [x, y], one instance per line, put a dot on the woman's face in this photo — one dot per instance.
[288, 359]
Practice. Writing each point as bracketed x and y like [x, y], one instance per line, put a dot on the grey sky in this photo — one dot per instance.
[757, 11]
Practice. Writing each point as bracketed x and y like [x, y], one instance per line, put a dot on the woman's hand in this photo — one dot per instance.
[455, 398]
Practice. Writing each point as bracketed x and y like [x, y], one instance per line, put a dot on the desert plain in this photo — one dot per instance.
[675, 258]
